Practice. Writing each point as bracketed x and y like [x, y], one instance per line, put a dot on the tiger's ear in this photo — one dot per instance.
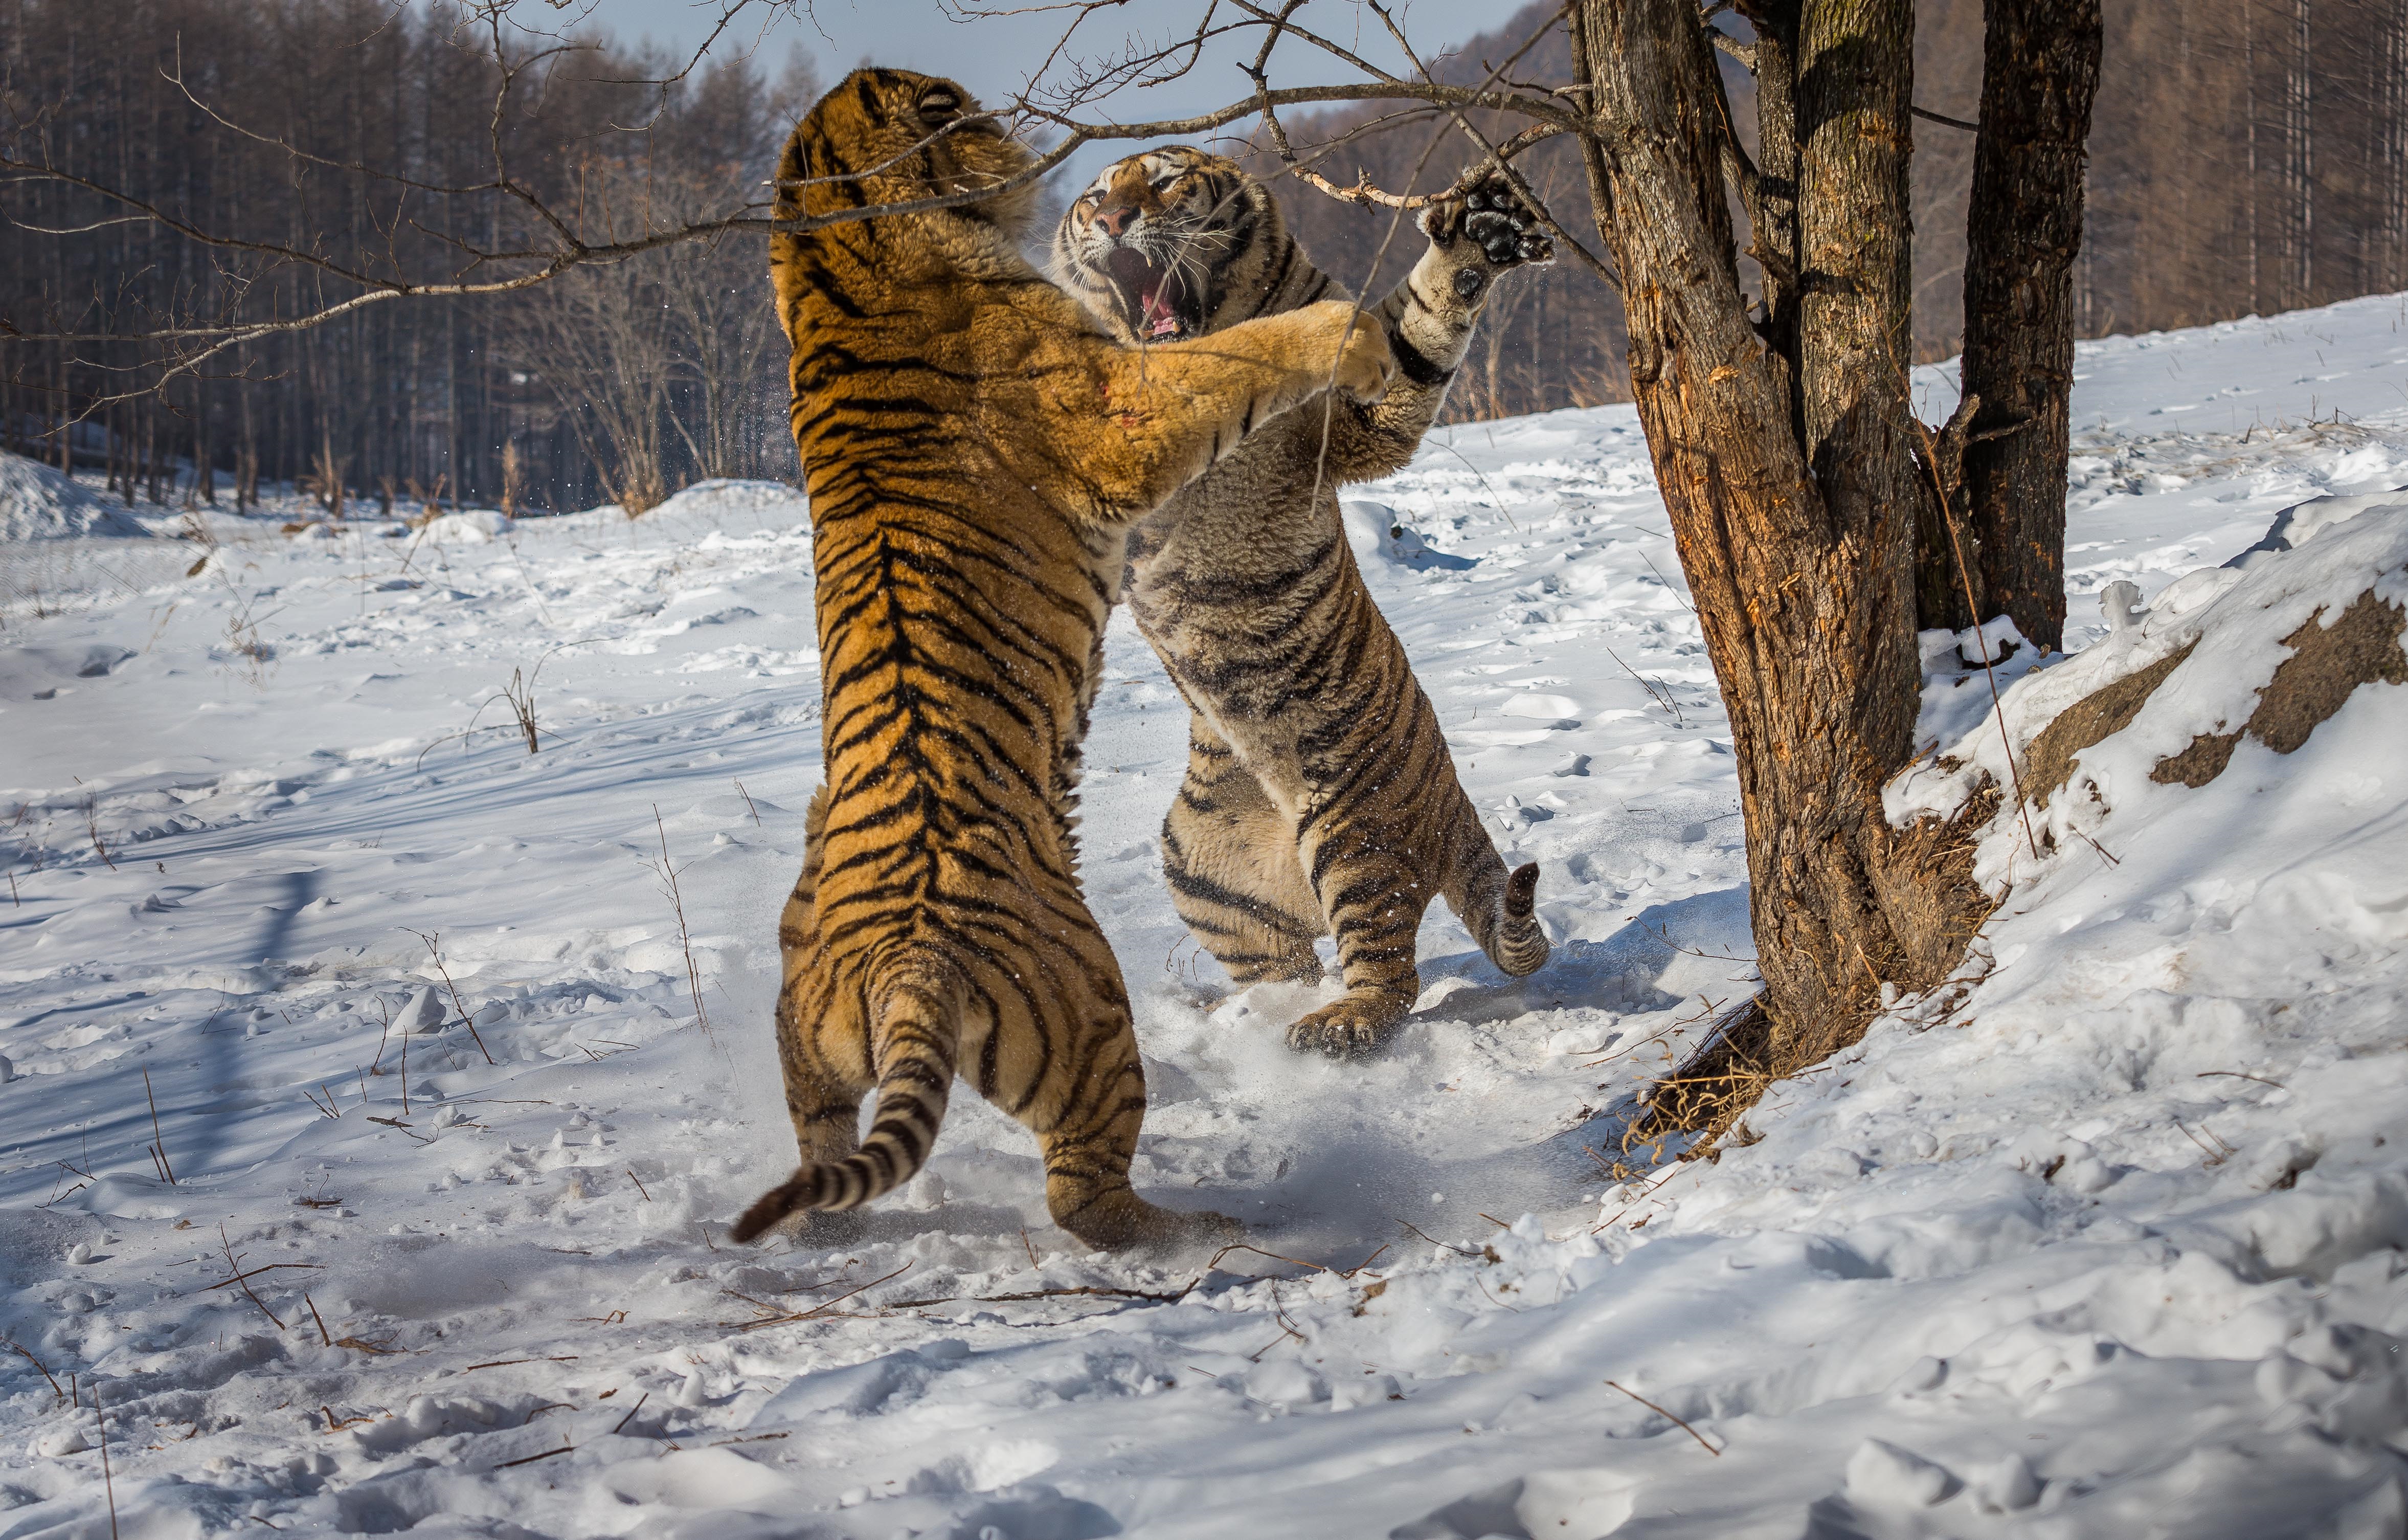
[940, 104]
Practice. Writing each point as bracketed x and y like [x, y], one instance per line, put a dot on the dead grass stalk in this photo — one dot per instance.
[668, 875]
[158, 1140]
[458, 1005]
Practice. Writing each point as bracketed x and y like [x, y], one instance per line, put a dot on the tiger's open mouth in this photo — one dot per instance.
[1155, 301]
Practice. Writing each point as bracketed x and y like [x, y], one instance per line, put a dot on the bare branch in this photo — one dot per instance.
[533, 238]
[1529, 194]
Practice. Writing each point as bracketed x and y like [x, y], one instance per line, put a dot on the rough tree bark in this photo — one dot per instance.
[1786, 464]
[2040, 73]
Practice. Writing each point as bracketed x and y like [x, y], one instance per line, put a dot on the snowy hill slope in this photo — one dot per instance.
[2106, 1241]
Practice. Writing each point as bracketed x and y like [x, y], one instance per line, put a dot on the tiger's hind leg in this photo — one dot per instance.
[823, 1093]
[1088, 1136]
[1373, 892]
[1229, 855]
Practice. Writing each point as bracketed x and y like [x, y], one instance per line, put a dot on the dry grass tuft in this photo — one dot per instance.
[1707, 1094]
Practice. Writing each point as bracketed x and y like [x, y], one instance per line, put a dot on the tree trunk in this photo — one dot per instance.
[1791, 485]
[2040, 72]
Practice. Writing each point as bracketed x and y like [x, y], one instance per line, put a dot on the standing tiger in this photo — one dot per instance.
[976, 452]
[1320, 798]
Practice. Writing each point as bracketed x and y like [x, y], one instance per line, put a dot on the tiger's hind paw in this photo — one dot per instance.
[1122, 1220]
[1348, 1028]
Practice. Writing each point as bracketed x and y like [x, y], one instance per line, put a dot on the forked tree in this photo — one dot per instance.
[1785, 445]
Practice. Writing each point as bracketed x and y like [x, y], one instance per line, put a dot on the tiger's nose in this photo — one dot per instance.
[1116, 219]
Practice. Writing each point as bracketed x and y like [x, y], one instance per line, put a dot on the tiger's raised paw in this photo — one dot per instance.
[1489, 229]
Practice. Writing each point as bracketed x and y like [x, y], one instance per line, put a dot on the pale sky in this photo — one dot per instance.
[995, 54]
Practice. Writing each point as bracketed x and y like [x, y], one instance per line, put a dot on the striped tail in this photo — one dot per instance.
[1501, 916]
[916, 1034]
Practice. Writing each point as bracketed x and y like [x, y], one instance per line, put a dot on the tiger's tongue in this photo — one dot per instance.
[1159, 318]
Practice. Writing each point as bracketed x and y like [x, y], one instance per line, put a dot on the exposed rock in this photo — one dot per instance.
[2327, 663]
[2049, 762]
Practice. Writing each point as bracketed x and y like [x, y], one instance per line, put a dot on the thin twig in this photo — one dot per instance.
[1660, 1412]
[1965, 410]
[256, 1272]
[1666, 583]
[1097, 1291]
[631, 1413]
[159, 1140]
[107, 1481]
[244, 1278]
[37, 1363]
[1434, 1241]
[91, 827]
[686, 937]
[820, 1309]
[457, 1004]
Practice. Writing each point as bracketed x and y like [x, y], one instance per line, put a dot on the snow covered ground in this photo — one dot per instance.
[2105, 1246]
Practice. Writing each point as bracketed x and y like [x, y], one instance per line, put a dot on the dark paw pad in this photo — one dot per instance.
[1502, 225]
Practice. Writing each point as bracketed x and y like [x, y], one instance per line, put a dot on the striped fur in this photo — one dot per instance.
[1320, 798]
[976, 452]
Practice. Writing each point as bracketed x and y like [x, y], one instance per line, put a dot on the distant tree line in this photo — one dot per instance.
[2247, 156]
[614, 382]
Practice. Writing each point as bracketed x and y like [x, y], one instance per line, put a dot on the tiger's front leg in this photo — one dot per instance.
[1172, 412]
[1429, 319]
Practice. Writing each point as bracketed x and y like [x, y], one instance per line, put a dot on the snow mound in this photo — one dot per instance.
[469, 526]
[1380, 533]
[726, 501]
[2295, 525]
[37, 503]
[62, 545]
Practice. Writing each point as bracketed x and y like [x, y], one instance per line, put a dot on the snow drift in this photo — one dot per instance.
[2104, 1238]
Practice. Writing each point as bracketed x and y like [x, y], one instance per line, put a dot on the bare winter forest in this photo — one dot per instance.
[621, 384]
[2247, 156]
